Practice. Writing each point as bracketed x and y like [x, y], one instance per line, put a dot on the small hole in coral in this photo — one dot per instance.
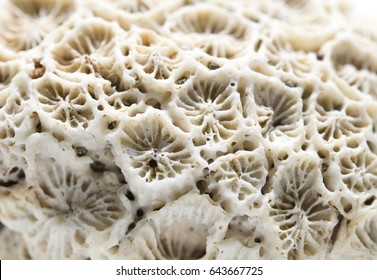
[21, 175]
[121, 177]
[249, 145]
[142, 88]
[131, 227]
[80, 151]
[97, 166]
[258, 45]
[139, 213]
[112, 125]
[226, 205]
[202, 186]
[282, 156]
[370, 200]
[323, 154]
[13, 170]
[352, 143]
[58, 136]
[130, 195]
[262, 252]
[8, 183]
[154, 103]
[266, 188]
[347, 206]
[153, 163]
[125, 51]
[38, 70]
[114, 249]
[257, 204]
[181, 81]
[183, 240]
[79, 237]
[372, 147]
[253, 19]
[308, 90]
[290, 84]
[212, 66]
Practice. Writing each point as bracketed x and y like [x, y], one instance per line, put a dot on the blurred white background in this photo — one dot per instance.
[366, 6]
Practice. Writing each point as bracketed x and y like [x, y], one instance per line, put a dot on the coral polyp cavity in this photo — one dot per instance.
[187, 130]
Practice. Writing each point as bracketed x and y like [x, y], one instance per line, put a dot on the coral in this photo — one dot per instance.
[187, 129]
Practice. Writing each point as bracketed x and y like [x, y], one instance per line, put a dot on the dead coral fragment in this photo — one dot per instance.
[187, 129]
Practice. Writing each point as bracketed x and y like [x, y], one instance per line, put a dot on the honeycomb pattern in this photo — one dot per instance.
[201, 129]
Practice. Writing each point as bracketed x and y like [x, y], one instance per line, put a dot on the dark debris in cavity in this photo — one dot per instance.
[21, 174]
[131, 227]
[153, 163]
[370, 200]
[123, 181]
[139, 213]
[38, 70]
[130, 196]
[81, 151]
[158, 208]
[98, 166]
[212, 66]
[258, 45]
[15, 175]
[291, 84]
[8, 183]
[13, 170]
[181, 81]
[335, 232]
[38, 127]
[120, 175]
[112, 125]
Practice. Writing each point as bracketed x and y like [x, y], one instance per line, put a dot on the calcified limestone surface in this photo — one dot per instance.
[147, 129]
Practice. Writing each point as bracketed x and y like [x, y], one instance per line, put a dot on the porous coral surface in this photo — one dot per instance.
[187, 129]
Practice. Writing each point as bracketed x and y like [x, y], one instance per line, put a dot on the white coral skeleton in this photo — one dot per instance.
[201, 129]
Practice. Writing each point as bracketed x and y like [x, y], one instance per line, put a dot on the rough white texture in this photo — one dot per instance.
[13, 246]
[187, 129]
